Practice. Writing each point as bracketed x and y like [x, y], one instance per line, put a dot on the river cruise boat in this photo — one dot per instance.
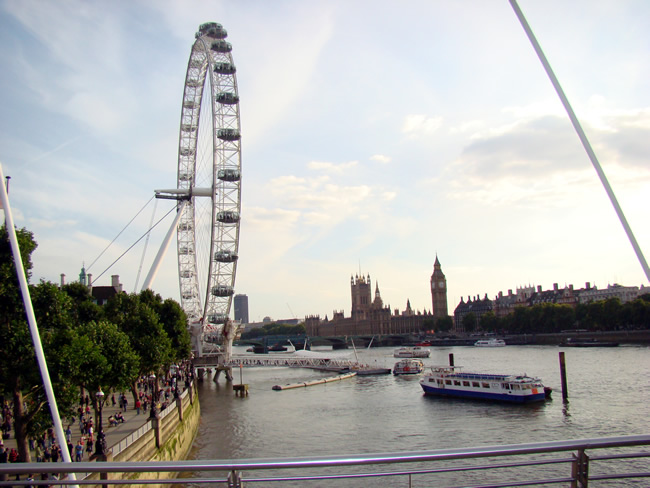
[450, 381]
[408, 366]
[490, 343]
[411, 352]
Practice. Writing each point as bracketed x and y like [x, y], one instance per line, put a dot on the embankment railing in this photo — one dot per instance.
[575, 463]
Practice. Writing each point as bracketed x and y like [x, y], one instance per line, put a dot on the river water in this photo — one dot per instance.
[609, 395]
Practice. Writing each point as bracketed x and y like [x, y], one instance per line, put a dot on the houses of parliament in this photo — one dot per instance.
[369, 316]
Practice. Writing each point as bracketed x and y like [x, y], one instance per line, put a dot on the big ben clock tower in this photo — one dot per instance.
[438, 291]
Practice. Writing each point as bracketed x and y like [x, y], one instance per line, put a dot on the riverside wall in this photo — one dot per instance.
[167, 438]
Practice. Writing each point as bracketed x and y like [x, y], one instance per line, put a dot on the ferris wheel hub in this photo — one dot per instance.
[183, 193]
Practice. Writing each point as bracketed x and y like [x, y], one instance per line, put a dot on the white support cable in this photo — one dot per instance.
[33, 327]
[581, 135]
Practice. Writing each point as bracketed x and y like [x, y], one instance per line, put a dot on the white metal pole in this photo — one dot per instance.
[163, 248]
[31, 318]
[581, 135]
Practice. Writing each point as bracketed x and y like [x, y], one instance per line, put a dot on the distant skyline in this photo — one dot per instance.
[374, 136]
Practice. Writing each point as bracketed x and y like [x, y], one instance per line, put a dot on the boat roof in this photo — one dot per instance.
[454, 371]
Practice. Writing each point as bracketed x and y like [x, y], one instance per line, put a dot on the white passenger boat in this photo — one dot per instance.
[490, 343]
[450, 381]
[411, 352]
[408, 366]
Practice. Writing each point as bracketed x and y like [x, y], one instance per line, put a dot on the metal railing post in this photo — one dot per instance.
[580, 470]
[234, 479]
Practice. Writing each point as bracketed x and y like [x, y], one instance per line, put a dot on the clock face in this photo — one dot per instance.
[441, 284]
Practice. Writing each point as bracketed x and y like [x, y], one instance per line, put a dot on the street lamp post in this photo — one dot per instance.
[100, 443]
[152, 383]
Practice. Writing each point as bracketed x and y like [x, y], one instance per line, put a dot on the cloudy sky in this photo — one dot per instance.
[376, 134]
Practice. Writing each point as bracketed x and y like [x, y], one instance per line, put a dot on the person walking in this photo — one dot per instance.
[13, 455]
[38, 452]
[55, 453]
[79, 451]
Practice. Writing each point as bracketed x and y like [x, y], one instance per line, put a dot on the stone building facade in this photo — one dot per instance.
[369, 315]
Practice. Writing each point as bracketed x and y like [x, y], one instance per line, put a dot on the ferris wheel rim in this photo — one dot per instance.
[210, 65]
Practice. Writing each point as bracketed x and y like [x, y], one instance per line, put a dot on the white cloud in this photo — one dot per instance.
[381, 158]
[419, 125]
[331, 167]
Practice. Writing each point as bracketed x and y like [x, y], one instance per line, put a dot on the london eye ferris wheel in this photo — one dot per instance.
[208, 183]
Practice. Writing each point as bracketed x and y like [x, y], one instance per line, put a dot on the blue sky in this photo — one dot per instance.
[374, 135]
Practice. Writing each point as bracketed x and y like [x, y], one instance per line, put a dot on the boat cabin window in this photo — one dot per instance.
[465, 383]
[447, 382]
[486, 385]
[505, 386]
[456, 382]
[475, 384]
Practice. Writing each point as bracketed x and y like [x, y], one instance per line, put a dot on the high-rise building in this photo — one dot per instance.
[241, 308]
[438, 291]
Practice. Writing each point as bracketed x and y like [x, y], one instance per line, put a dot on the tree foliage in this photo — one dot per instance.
[139, 321]
[548, 318]
[444, 324]
[174, 321]
[85, 345]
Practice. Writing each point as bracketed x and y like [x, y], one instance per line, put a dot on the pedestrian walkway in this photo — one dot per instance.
[132, 422]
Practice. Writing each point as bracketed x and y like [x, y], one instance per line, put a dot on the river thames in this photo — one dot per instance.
[609, 395]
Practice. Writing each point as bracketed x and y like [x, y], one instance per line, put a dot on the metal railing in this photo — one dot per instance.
[574, 463]
[134, 436]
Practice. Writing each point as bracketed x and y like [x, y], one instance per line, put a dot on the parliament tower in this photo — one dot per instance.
[438, 291]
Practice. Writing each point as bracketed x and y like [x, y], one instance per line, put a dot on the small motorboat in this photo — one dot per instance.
[408, 366]
[411, 352]
[490, 343]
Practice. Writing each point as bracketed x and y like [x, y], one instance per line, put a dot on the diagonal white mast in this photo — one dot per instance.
[581, 135]
[33, 327]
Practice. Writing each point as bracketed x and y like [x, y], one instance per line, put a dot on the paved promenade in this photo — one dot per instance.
[113, 435]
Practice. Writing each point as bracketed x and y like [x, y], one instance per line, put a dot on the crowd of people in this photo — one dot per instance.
[45, 448]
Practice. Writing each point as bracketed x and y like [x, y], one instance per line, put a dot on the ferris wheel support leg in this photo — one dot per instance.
[163, 248]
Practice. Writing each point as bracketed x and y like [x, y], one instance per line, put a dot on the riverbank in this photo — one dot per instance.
[166, 437]
[619, 336]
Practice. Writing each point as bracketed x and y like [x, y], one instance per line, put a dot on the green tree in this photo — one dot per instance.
[469, 322]
[612, 314]
[100, 357]
[444, 324]
[174, 322]
[85, 309]
[20, 377]
[427, 324]
[148, 338]
[489, 322]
